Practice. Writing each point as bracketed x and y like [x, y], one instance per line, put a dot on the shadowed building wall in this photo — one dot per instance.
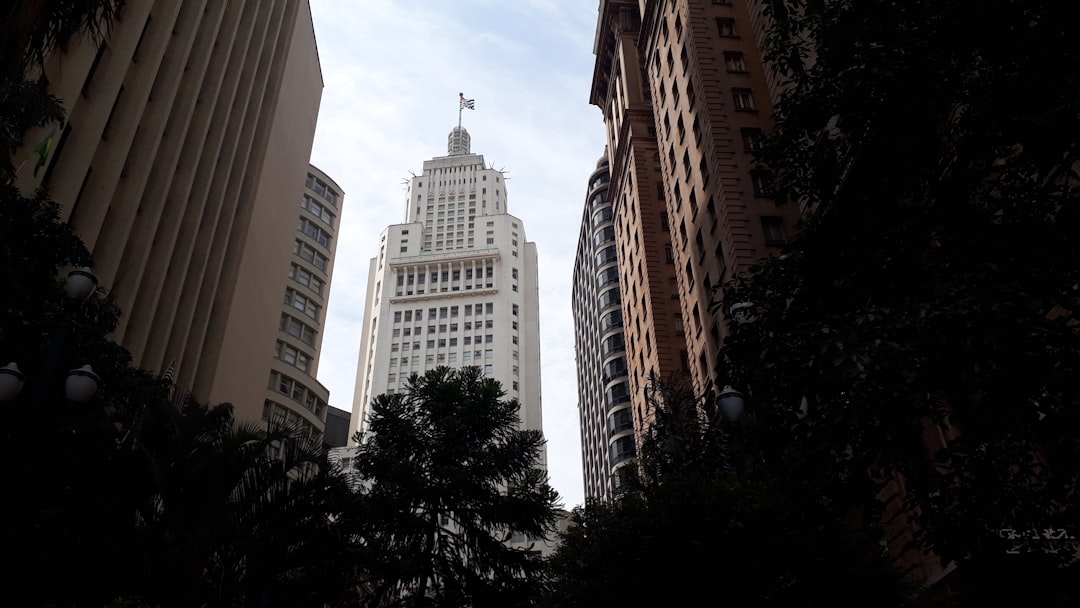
[181, 163]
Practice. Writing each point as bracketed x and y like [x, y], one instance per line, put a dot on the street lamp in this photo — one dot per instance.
[742, 313]
[80, 384]
[730, 403]
[11, 381]
[80, 285]
[79, 387]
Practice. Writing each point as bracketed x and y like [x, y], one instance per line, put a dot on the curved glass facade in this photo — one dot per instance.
[607, 425]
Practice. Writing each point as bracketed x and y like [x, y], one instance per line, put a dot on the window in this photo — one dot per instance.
[297, 329]
[773, 228]
[762, 182]
[319, 211]
[725, 26]
[735, 61]
[623, 449]
[744, 99]
[752, 138]
[307, 252]
[312, 230]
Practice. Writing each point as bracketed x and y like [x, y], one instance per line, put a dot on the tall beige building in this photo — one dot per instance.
[181, 164]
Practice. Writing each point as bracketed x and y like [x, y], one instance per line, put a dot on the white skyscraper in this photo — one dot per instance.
[454, 285]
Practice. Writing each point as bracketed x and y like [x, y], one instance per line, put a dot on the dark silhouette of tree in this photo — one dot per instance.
[30, 30]
[923, 325]
[236, 515]
[697, 530]
[446, 478]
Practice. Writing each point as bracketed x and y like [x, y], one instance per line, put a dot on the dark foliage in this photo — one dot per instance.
[32, 29]
[923, 326]
[687, 528]
[447, 477]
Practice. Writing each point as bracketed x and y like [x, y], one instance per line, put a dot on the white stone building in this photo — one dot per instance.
[455, 284]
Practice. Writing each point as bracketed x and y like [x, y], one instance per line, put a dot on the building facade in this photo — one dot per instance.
[652, 315]
[185, 150]
[686, 101]
[607, 423]
[454, 284]
[294, 396]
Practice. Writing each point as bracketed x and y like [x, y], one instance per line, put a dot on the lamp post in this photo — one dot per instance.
[80, 384]
[730, 404]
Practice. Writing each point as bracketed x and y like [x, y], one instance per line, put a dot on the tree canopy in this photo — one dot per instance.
[923, 325]
[686, 527]
[447, 478]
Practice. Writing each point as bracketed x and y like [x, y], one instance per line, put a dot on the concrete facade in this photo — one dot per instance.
[455, 284]
[607, 423]
[294, 396]
[185, 151]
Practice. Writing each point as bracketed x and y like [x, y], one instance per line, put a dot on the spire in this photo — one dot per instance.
[458, 142]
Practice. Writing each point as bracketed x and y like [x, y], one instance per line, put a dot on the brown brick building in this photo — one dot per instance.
[686, 100]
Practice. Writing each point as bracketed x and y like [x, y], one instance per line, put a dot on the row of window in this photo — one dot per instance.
[279, 416]
[317, 185]
[301, 302]
[297, 329]
[444, 327]
[305, 278]
[393, 377]
[318, 210]
[446, 312]
[446, 275]
[311, 229]
[308, 253]
[432, 358]
[299, 393]
[293, 356]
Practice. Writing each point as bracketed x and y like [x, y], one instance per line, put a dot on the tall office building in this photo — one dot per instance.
[455, 284]
[686, 101]
[294, 396]
[607, 424]
[180, 165]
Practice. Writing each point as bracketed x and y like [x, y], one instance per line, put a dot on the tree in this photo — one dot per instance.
[689, 527]
[30, 31]
[235, 515]
[923, 325]
[447, 478]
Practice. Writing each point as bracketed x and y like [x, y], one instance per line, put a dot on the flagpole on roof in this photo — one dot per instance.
[460, 107]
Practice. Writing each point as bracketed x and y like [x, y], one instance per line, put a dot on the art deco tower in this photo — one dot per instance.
[455, 284]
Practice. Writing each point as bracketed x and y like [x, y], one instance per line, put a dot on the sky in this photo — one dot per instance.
[392, 72]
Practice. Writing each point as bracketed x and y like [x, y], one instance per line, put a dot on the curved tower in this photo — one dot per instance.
[294, 395]
[607, 423]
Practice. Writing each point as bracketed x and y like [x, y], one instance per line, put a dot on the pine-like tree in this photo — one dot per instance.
[448, 477]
